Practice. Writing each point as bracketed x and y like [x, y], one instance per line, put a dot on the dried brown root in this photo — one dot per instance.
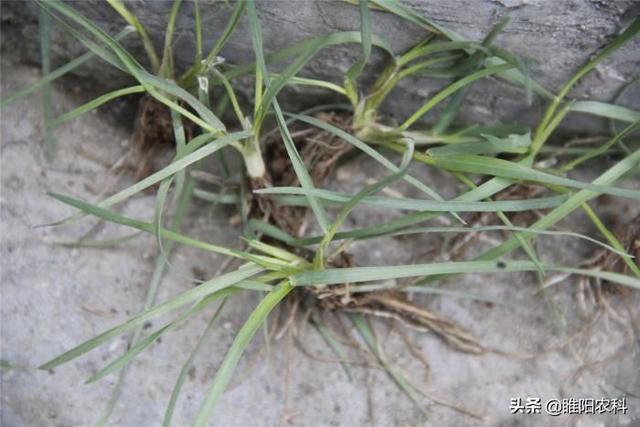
[454, 335]
[319, 150]
[597, 293]
[152, 136]
[629, 236]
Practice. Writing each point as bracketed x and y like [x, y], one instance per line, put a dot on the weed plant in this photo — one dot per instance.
[279, 261]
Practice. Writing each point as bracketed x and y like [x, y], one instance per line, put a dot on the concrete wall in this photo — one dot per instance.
[557, 36]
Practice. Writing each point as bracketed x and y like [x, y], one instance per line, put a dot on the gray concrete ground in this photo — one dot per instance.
[55, 297]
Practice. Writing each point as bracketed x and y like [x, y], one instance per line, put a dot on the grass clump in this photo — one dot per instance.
[281, 176]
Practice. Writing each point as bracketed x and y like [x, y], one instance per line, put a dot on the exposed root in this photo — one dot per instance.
[152, 136]
[323, 359]
[415, 352]
[320, 151]
[597, 290]
[629, 235]
[454, 335]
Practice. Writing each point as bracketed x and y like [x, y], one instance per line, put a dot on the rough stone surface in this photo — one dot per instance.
[55, 297]
[557, 36]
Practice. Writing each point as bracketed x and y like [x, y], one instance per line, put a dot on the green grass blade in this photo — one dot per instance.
[627, 35]
[490, 188]
[307, 46]
[143, 344]
[571, 204]
[166, 65]
[356, 69]
[244, 122]
[365, 233]
[404, 12]
[221, 286]
[427, 67]
[269, 230]
[97, 102]
[303, 81]
[100, 50]
[241, 341]
[132, 20]
[154, 85]
[150, 228]
[207, 120]
[274, 87]
[276, 252]
[513, 143]
[225, 199]
[260, 64]
[332, 276]
[514, 76]
[232, 23]
[58, 72]
[370, 152]
[421, 51]
[180, 179]
[609, 111]
[618, 42]
[452, 89]
[602, 149]
[182, 376]
[513, 229]
[301, 172]
[450, 112]
[507, 169]
[160, 264]
[104, 243]
[319, 258]
[298, 165]
[174, 167]
[423, 205]
[193, 152]
[198, 30]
